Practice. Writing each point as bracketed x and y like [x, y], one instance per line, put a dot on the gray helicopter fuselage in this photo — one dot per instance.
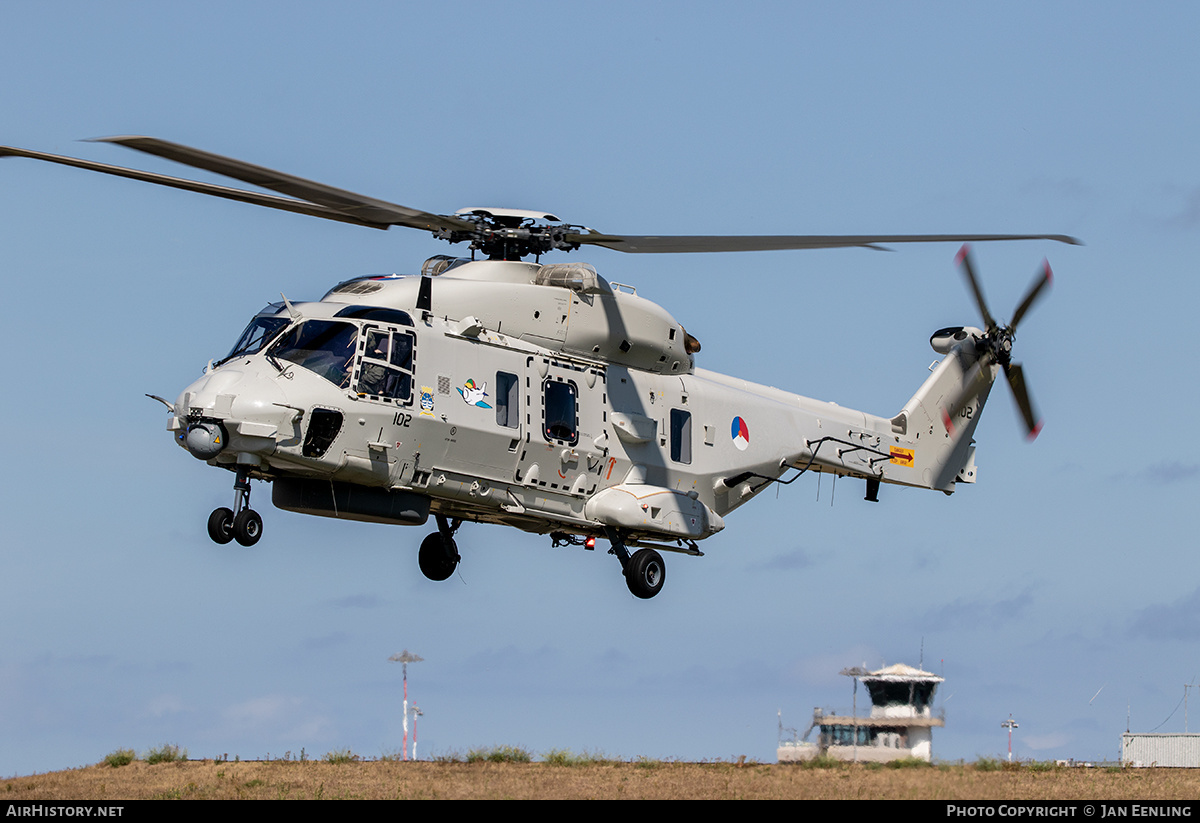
[541, 397]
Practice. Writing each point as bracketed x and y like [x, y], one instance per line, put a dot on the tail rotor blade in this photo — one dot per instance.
[1034, 292]
[996, 348]
[964, 260]
[976, 380]
[1016, 379]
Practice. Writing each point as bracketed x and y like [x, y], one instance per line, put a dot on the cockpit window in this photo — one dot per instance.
[258, 334]
[387, 365]
[324, 347]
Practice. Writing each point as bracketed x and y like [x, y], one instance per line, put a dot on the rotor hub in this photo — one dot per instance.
[1001, 343]
[511, 234]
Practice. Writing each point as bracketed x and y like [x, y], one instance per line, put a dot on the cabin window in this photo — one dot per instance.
[561, 412]
[681, 436]
[507, 400]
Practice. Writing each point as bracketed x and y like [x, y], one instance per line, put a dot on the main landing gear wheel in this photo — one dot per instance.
[438, 557]
[220, 526]
[645, 573]
[247, 527]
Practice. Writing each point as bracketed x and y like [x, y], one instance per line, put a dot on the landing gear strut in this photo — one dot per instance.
[439, 557]
[241, 523]
[645, 572]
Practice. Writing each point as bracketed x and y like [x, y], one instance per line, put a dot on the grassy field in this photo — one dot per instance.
[572, 777]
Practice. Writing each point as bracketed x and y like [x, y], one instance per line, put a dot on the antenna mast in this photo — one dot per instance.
[404, 658]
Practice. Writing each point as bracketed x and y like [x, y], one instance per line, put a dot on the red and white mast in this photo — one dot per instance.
[404, 658]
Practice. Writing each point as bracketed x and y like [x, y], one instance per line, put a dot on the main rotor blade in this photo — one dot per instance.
[1034, 291]
[256, 198]
[364, 209]
[320, 200]
[1016, 379]
[658, 244]
[964, 260]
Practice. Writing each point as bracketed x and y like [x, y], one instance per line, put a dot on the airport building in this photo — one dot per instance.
[1168, 750]
[898, 725]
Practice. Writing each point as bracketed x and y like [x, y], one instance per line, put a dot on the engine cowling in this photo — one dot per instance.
[944, 340]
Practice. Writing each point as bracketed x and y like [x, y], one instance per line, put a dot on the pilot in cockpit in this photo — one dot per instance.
[373, 376]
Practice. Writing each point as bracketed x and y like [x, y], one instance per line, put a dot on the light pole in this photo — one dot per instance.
[404, 658]
[416, 712]
[1009, 724]
[855, 672]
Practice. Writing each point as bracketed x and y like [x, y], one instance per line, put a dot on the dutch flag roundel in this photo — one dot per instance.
[740, 433]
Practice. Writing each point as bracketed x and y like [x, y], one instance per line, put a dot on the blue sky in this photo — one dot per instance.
[1068, 570]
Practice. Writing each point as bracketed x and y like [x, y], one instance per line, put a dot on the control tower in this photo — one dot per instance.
[899, 725]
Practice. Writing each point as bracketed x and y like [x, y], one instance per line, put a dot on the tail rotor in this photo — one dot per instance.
[996, 344]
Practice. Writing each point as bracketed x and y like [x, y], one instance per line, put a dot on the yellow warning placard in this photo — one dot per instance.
[902, 457]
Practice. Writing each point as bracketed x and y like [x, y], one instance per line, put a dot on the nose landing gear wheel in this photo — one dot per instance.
[220, 526]
[438, 557]
[646, 573]
[241, 523]
[247, 527]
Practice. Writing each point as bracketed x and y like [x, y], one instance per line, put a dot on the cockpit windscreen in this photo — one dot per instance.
[258, 334]
[325, 347]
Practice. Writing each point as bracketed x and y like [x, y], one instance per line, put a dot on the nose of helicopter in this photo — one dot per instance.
[229, 407]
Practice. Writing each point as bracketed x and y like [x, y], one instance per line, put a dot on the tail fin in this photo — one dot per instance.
[940, 419]
[938, 422]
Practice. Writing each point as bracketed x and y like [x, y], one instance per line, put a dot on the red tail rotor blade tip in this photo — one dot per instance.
[1035, 431]
[1049, 274]
[962, 253]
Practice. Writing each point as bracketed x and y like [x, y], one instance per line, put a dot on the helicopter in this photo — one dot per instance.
[497, 389]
